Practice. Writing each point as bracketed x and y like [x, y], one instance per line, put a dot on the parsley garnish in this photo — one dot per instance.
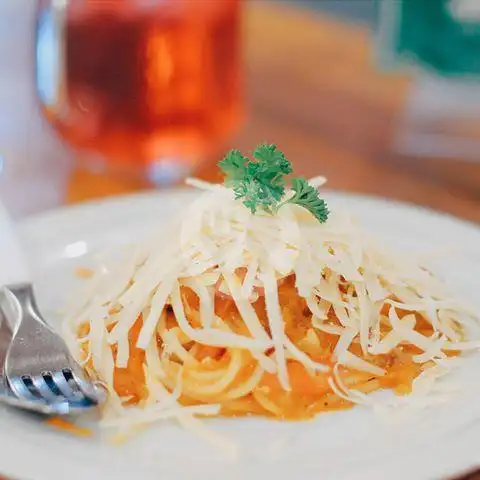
[260, 182]
[307, 197]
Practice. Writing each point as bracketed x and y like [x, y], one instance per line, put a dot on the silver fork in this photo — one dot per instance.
[38, 369]
[6, 395]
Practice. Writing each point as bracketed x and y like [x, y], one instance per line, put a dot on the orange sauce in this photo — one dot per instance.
[130, 381]
[66, 426]
[84, 273]
[310, 392]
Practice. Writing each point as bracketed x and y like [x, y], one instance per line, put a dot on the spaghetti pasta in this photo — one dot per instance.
[276, 315]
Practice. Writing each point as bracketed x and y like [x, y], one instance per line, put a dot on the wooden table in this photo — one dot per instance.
[313, 89]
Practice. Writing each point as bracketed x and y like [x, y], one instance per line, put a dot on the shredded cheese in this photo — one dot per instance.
[221, 248]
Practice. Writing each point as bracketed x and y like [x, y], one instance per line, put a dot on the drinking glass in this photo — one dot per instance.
[149, 87]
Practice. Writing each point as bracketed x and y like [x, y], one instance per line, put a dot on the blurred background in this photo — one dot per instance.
[102, 97]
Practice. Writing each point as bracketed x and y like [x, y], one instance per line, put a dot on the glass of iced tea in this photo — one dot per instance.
[140, 86]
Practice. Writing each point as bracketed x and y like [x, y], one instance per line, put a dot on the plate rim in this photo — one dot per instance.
[148, 195]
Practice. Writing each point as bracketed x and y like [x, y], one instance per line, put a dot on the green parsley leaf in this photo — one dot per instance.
[269, 158]
[233, 166]
[260, 183]
[307, 196]
[271, 167]
[255, 195]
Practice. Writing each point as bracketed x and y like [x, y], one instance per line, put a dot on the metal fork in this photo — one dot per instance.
[6, 395]
[38, 369]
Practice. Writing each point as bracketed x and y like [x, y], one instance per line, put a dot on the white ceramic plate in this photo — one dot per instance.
[435, 443]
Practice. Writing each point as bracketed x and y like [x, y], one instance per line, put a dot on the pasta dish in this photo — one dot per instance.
[262, 303]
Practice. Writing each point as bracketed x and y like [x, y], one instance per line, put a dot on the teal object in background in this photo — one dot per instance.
[357, 11]
[439, 35]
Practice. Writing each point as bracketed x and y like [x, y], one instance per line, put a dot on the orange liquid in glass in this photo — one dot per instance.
[146, 81]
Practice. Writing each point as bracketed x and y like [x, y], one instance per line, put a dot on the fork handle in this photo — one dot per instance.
[13, 267]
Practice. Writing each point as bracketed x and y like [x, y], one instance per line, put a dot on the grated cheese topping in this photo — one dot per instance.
[338, 268]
